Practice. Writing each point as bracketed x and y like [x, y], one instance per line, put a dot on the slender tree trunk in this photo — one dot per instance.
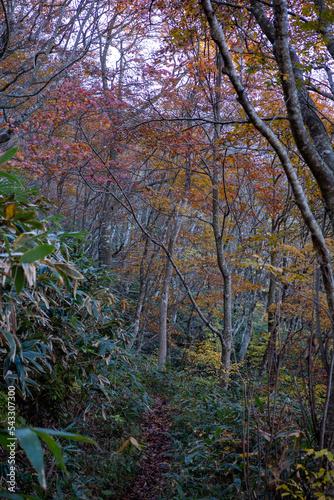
[218, 231]
[104, 243]
[139, 308]
[225, 270]
[248, 328]
[227, 344]
[273, 323]
[144, 277]
[189, 340]
[163, 309]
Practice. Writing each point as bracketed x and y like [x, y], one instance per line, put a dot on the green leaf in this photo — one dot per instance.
[258, 402]
[18, 278]
[27, 216]
[36, 253]
[4, 435]
[63, 434]
[217, 433]
[6, 243]
[37, 224]
[11, 342]
[7, 156]
[32, 446]
[180, 491]
[23, 238]
[53, 447]
[69, 271]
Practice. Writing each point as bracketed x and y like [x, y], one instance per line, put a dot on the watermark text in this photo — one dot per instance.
[11, 440]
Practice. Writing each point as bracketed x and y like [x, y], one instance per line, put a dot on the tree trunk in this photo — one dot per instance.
[327, 422]
[104, 243]
[163, 309]
[273, 323]
[218, 231]
[225, 270]
[227, 333]
[248, 328]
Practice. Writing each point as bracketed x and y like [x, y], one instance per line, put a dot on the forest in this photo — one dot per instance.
[166, 249]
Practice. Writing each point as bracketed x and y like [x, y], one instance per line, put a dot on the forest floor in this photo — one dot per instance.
[155, 425]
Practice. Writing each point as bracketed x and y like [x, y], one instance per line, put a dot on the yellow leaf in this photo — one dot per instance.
[135, 443]
[124, 445]
[132, 441]
[10, 210]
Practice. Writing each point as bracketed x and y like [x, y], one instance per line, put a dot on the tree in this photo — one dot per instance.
[309, 133]
[39, 42]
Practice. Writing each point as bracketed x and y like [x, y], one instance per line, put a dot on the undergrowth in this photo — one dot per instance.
[223, 445]
[248, 442]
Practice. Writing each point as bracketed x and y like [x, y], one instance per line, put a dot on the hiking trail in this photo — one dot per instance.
[155, 425]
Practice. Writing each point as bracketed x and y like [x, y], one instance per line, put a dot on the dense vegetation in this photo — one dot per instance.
[166, 261]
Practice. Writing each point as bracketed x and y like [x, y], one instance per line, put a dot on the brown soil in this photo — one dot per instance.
[148, 485]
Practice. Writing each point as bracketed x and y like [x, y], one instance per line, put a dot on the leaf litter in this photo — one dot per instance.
[155, 425]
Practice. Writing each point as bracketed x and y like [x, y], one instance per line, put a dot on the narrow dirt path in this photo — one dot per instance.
[154, 462]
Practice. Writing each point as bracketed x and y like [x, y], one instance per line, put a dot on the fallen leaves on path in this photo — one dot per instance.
[155, 425]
